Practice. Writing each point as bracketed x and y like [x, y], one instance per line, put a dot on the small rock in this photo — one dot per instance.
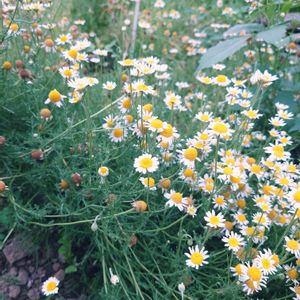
[15, 251]
[21, 263]
[55, 267]
[60, 275]
[61, 258]
[33, 294]
[3, 287]
[12, 271]
[41, 272]
[31, 269]
[23, 276]
[29, 283]
[14, 291]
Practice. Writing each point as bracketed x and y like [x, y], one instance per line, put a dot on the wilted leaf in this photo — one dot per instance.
[291, 38]
[273, 35]
[248, 27]
[221, 51]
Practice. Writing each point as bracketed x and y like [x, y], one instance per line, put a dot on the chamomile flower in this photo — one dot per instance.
[49, 45]
[191, 210]
[118, 133]
[265, 261]
[64, 39]
[219, 202]
[277, 122]
[148, 182]
[146, 163]
[50, 286]
[103, 171]
[109, 85]
[294, 197]
[175, 199]
[220, 128]
[71, 54]
[55, 97]
[233, 241]
[292, 246]
[188, 156]
[196, 257]
[251, 114]
[204, 116]
[125, 105]
[127, 62]
[221, 80]
[67, 72]
[213, 220]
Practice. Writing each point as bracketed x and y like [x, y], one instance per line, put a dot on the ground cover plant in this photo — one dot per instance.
[159, 161]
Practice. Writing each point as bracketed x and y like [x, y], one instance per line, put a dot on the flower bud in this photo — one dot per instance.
[140, 205]
[2, 141]
[64, 184]
[2, 186]
[76, 179]
[37, 154]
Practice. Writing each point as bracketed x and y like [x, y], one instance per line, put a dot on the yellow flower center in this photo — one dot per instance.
[146, 163]
[220, 128]
[73, 53]
[266, 263]
[118, 132]
[254, 273]
[190, 153]
[255, 169]
[68, 73]
[233, 242]
[197, 258]
[128, 62]
[156, 123]
[292, 274]
[149, 182]
[221, 78]
[188, 172]
[49, 43]
[168, 131]
[103, 170]
[297, 196]
[176, 197]
[292, 244]
[214, 220]
[63, 38]
[250, 284]
[54, 96]
[204, 118]
[14, 27]
[148, 107]
[227, 171]
[51, 286]
[238, 269]
[126, 103]
[219, 200]
[250, 230]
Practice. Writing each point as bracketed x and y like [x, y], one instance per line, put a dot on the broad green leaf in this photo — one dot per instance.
[284, 42]
[296, 126]
[221, 51]
[272, 35]
[248, 27]
[71, 269]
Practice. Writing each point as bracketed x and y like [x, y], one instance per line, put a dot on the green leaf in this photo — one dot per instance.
[296, 126]
[221, 51]
[248, 27]
[71, 269]
[291, 38]
[272, 35]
